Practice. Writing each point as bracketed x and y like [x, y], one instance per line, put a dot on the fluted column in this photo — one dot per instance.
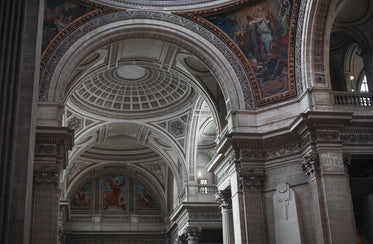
[248, 206]
[51, 148]
[225, 202]
[331, 203]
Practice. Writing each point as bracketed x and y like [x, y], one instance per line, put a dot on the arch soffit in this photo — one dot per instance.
[317, 21]
[132, 24]
[88, 141]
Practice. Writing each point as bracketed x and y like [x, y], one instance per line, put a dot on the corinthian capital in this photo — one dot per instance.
[311, 165]
[224, 199]
[252, 180]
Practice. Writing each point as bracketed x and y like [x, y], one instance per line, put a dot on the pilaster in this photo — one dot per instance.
[224, 200]
[52, 144]
[325, 168]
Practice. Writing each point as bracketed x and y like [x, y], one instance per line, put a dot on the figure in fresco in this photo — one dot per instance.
[262, 33]
[114, 194]
[58, 14]
[144, 198]
[284, 12]
[83, 197]
[251, 45]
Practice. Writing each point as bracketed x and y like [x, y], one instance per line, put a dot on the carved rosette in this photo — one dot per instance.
[252, 180]
[224, 199]
[311, 165]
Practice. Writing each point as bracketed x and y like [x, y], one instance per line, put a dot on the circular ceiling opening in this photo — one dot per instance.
[130, 72]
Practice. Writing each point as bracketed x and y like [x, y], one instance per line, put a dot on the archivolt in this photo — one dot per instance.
[219, 58]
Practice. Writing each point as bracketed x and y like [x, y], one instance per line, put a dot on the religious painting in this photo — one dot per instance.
[114, 193]
[144, 198]
[57, 15]
[262, 33]
[82, 198]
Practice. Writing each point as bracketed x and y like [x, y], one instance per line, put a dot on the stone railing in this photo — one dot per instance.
[363, 99]
[207, 189]
[108, 219]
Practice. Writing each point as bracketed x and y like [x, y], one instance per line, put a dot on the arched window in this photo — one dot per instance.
[364, 85]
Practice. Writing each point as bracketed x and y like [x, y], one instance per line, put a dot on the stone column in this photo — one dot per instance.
[225, 201]
[247, 205]
[51, 148]
[193, 234]
[20, 50]
[331, 203]
[252, 182]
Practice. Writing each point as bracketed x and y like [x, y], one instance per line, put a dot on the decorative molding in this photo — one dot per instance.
[318, 39]
[328, 135]
[245, 63]
[298, 48]
[67, 30]
[102, 18]
[357, 138]
[311, 165]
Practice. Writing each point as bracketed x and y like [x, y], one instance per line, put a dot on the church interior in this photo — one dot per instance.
[186, 121]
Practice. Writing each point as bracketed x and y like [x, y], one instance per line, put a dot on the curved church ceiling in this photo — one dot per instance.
[263, 32]
[135, 78]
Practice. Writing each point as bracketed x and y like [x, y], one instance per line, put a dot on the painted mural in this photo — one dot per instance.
[57, 15]
[82, 198]
[144, 198]
[114, 193]
[262, 33]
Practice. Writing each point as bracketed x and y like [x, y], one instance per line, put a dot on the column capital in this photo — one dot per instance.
[193, 233]
[346, 161]
[224, 199]
[251, 180]
[311, 165]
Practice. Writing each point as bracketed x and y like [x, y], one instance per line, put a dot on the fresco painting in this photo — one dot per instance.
[262, 33]
[114, 191]
[57, 15]
[82, 198]
[144, 198]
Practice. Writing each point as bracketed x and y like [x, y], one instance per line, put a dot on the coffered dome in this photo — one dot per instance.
[119, 84]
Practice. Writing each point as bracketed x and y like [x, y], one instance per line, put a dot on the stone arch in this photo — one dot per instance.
[89, 138]
[218, 57]
[313, 38]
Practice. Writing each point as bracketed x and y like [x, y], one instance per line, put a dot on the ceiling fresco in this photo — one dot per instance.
[261, 31]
